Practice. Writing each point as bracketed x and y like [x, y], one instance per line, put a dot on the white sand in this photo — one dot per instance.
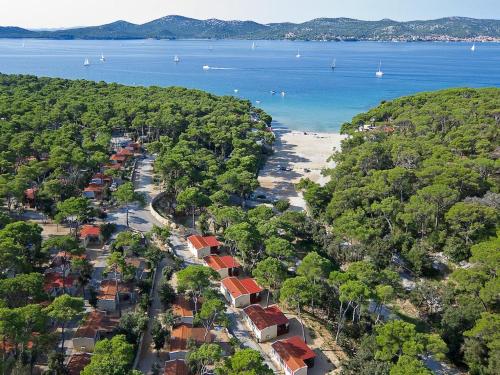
[297, 150]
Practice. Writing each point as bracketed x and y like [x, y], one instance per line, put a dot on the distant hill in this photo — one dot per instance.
[178, 27]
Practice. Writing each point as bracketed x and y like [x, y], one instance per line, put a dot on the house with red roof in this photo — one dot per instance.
[93, 191]
[293, 355]
[183, 309]
[110, 293]
[97, 325]
[30, 197]
[203, 246]
[91, 235]
[118, 159]
[181, 338]
[240, 292]
[77, 363]
[266, 323]
[176, 367]
[224, 265]
[55, 284]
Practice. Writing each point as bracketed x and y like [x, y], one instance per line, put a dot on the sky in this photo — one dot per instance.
[68, 13]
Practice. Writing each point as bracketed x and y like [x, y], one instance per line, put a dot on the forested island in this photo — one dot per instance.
[320, 29]
[392, 269]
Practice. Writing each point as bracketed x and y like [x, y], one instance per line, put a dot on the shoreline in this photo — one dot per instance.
[302, 154]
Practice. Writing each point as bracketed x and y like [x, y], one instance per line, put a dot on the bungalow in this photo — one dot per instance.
[203, 246]
[97, 325]
[93, 191]
[139, 265]
[77, 363]
[176, 367]
[224, 265]
[101, 179]
[183, 309]
[182, 336]
[55, 284]
[110, 293]
[240, 292]
[293, 355]
[91, 235]
[125, 152]
[30, 197]
[266, 323]
[118, 159]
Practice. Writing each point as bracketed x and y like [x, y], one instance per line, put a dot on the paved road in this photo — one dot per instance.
[140, 218]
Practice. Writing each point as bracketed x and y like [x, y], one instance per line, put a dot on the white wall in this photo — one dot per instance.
[83, 344]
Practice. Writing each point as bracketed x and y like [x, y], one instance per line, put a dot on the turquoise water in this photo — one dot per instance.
[317, 98]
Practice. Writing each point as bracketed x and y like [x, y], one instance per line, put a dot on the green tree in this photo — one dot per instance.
[126, 195]
[76, 210]
[211, 313]
[296, 293]
[191, 199]
[245, 361]
[195, 279]
[315, 268]
[63, 310]
[158, 334]
[111, 357]
[270, 273]
[408, 365]
[201, 359]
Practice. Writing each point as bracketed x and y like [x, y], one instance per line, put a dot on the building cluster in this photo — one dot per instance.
[242, 293]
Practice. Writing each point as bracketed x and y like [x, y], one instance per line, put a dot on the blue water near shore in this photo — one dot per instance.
[317, 98]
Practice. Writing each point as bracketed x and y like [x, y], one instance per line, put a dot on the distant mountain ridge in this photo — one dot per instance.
[179, 27]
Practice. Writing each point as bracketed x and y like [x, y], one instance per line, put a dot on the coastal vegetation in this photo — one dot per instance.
[178, 27]
[416, 189]
[55, 136]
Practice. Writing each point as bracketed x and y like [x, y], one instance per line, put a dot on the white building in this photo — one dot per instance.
[201, 246]
[266, 323]
[240, 292]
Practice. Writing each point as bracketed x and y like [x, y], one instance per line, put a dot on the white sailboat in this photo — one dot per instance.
[298, 54]
[379, 72]
[334, 64]
[253, 45]
[236, 91]
[102, 57]
[176, 59]
[206, 67]
[473, 48]
[86, 62]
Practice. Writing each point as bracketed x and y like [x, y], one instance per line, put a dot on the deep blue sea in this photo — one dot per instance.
[317, 98]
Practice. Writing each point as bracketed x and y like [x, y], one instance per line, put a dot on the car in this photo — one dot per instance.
[307, 170]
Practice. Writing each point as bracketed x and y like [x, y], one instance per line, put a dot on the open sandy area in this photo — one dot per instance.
[300, 151]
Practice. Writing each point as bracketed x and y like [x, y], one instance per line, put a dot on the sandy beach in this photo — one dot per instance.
[306, 154]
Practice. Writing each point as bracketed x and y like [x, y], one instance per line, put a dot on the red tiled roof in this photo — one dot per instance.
[113, 166]
[125, 152]
[90, 230]
[217, 263]
[93, 187]
[294, 351]
[176, 367]
[183, 333]
[102, 176]
[238, 287]
[77, 363]
[65, 254]
[30, 193]
[183, 307]
[200, 242]
[108, 289]
[263, 318]
[96, 321]
[55, 280]
[118, 157]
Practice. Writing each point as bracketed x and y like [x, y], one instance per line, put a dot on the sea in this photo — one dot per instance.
[315, 96]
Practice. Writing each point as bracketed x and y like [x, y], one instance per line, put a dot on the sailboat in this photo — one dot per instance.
[253, 45]
[334, 64]
[176, 59]
[86, 62]
[379, 72]
[473, 48]
[206, 67]
[102, 57]
[298, 54]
